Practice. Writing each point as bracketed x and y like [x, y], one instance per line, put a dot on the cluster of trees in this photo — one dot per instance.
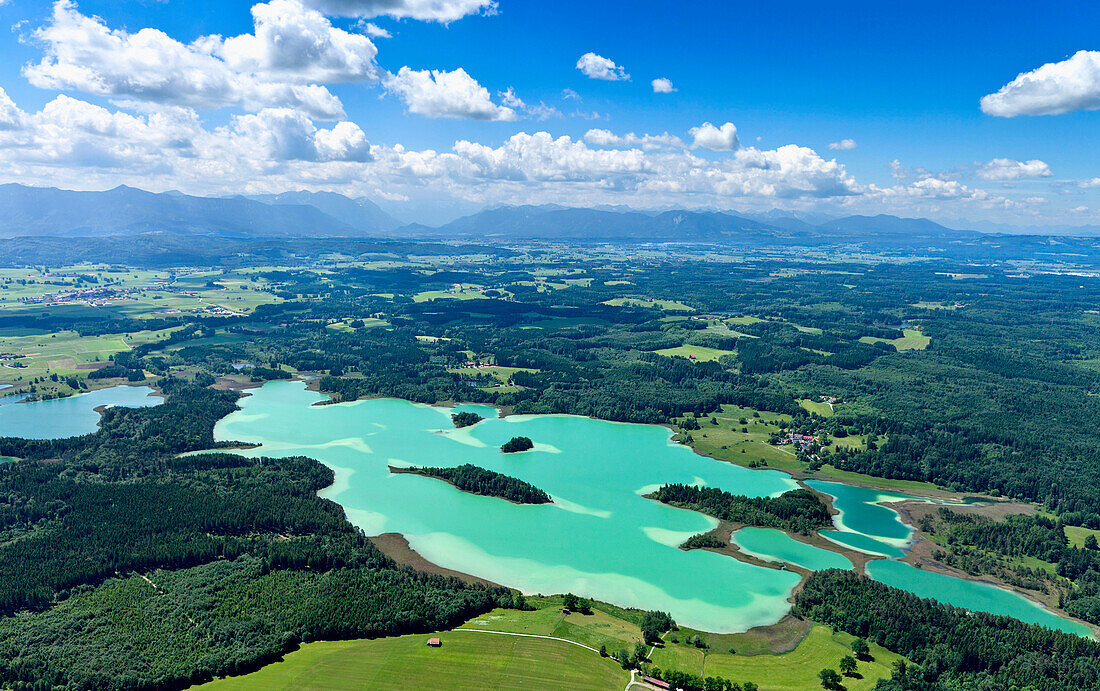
[576, 604]
[703, 541]
[954, 648]
[465, 419]
[693, 682]
[517, 444]
[477, 480]
[654, 623]
[799, 510]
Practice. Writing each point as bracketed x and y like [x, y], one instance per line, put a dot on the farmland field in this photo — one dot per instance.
[795, 670]
[466, 660]
[700, 353]
[912, 339]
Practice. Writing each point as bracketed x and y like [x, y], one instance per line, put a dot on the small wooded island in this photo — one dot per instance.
[517, 444]
[465, 419]
[477, 480]
[799, 510]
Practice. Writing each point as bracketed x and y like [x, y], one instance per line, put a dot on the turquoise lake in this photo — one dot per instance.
[973, 595]
[600, 538]
[865, 525]
[770, 544]
[69, 417]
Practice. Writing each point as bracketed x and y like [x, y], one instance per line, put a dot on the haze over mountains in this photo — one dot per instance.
[126, 211]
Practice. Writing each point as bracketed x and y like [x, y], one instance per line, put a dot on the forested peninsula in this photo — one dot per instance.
[799, 510]
[477, 480]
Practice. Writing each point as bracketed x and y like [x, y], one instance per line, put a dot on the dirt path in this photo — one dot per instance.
[531, 635]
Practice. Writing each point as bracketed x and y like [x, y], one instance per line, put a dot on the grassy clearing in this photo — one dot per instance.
[923, 304]
[742, 321]
[500, 374]
[368, 323]
[961, 277]
[694, 352]
[666, 305]
[464, 293]
[1077, 535]
[747, 444]
[785, 656]
[466, 660]
[796, 670]
[822, 408]
[912, 339]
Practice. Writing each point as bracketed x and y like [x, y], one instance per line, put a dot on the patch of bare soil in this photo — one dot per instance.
[396, 547]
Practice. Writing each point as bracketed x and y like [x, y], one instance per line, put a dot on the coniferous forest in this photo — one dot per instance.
[984, 384]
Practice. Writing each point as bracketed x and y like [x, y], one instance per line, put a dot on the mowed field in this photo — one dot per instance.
[667, 305]
[912, 339]
[699, 353]
[793, 671]
[784, 657]
[1077, 535]
[467, 660]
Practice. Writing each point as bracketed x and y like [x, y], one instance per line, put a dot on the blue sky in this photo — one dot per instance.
[903, 82]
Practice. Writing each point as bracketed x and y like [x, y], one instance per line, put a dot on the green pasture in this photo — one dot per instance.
[912, 339]
[794, 671]
[466, 660]
[700, 353]
[666, 305]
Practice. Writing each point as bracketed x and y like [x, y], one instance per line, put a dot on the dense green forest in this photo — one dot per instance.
[476, 480]
[243, 549]
[997, 395]
[954, 648]
[799, 510]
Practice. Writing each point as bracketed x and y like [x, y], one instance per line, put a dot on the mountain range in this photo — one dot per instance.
[126, 211]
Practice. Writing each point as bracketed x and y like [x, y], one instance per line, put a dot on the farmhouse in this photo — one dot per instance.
[802, 441]
[659, 683]
[435, 643]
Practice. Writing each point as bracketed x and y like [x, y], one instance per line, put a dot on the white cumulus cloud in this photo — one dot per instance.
[294, 44]
[372, 29]
[282, 134]
[843, 145]
[252, 71]
[443, 11]
[649, 142]
[1005, 169]
[707, 136]
[1054, 88]
[441, 94]
[598, 67]
[661, 85]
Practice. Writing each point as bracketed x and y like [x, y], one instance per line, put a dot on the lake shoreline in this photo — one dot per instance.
[399, 548]
[396, 546]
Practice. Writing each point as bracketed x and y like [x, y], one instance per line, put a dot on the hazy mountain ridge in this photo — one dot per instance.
[361, 213]
[126, 211]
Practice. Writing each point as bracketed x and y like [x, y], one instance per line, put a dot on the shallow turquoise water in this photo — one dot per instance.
[770, 544]
[972, 595]
[600, 538]
[69, 417]
[865, 525]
